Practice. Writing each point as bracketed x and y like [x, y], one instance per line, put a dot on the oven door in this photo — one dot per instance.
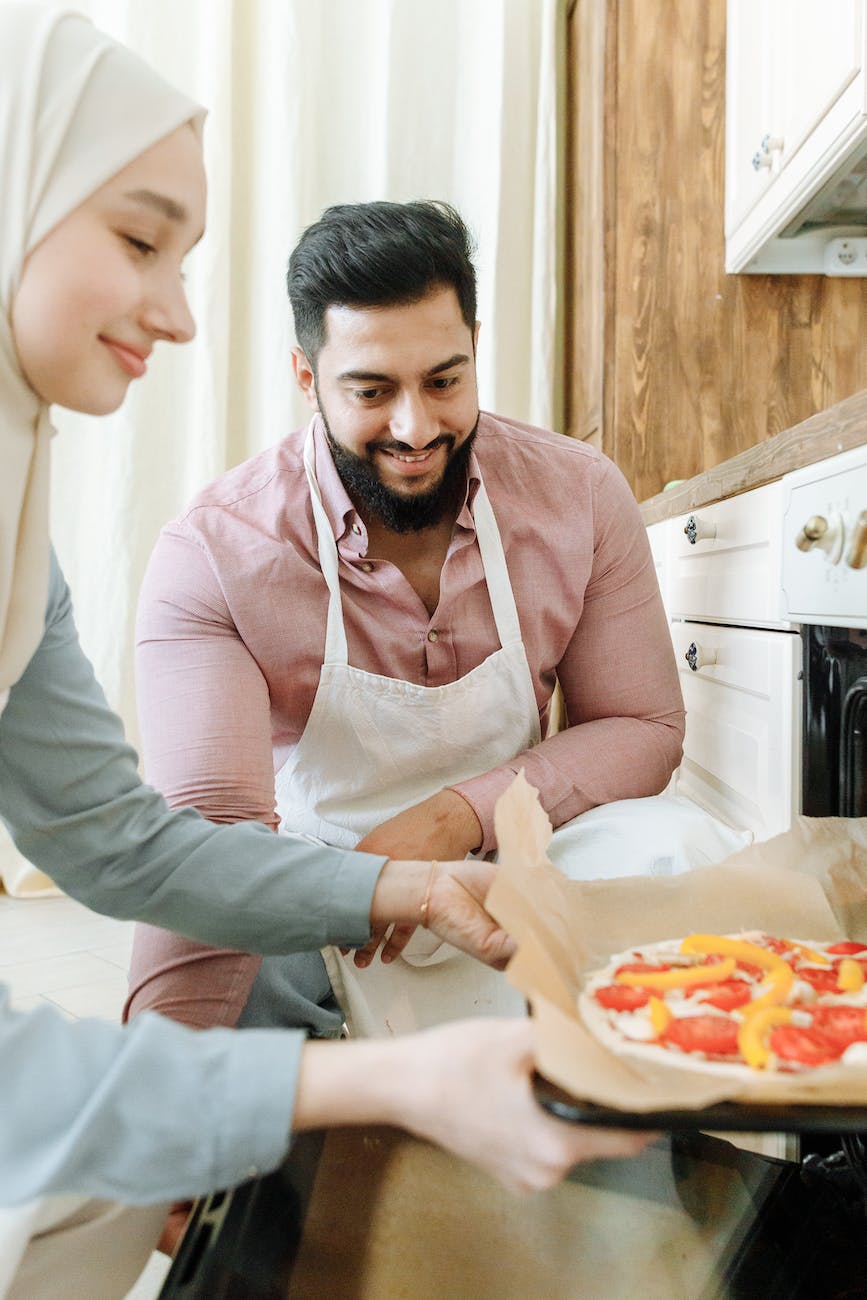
[835, 722]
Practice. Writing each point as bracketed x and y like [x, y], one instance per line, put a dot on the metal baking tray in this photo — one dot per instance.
[727, 1116]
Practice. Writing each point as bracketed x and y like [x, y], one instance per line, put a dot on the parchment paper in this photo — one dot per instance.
[810, 883]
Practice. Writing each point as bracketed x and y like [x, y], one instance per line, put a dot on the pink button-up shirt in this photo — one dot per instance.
[232, 617]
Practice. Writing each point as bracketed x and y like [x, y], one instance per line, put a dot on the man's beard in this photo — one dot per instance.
[399, 512]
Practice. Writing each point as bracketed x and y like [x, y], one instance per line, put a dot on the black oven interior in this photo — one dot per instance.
[834, 734]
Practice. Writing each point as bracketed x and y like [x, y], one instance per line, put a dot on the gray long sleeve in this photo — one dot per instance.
[155, 1111]
[145, 1114]
[75, 806]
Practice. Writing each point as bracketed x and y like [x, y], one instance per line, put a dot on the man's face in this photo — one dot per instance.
[396, 388]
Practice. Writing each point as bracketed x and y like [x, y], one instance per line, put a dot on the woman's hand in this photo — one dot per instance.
[464, 1086]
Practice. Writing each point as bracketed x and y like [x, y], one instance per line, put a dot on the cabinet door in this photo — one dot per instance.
[724, 560]
[820, 48]
[741, 753]
[751, 54]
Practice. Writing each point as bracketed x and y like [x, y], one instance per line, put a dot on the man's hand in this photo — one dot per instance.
[443, 826]
[455, 911]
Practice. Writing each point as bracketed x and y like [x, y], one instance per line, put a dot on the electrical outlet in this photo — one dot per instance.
[846, 256]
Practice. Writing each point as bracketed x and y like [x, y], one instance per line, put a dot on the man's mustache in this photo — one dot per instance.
[444, 440]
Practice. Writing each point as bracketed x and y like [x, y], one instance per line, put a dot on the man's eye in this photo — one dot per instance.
[368, 394]
[444, 382]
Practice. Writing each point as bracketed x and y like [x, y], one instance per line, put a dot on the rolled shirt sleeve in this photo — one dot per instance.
[619, 680]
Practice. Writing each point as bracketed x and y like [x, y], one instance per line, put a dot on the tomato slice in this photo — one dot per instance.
[753, 972]
[846, 948]
[824, 980]
[841, 1024]
[710, 1034]
[806, 1046]
[779, 946]
[619, 997]
[728, 995]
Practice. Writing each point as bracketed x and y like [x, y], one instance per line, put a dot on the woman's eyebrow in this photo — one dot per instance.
[161, 202]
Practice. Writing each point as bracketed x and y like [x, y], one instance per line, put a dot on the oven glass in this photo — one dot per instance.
[835, 722]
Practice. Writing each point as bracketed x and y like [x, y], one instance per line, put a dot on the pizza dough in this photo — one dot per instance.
[735, 1005]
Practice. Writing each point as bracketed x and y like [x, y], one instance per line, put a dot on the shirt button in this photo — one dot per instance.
[367, 566]
[356, 528]
[433, 635]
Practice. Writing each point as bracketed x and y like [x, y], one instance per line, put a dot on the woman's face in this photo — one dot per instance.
[106, 283]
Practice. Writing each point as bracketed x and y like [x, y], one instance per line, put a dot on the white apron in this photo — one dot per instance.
[374, 746]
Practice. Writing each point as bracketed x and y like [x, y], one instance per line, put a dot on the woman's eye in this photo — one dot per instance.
[140, 245]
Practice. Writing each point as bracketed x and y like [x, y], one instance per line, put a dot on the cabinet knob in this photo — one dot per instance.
[772, 144]
[761, 160]
[856, 555]
[696, 529]
[697, 657]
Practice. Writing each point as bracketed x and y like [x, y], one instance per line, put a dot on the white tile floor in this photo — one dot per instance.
[54, 950]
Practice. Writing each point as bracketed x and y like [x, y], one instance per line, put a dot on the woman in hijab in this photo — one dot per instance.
[103, 195]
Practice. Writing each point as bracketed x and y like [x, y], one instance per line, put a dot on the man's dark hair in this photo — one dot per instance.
[378, 255]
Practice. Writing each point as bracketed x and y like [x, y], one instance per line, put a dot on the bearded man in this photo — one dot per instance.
[355, 636]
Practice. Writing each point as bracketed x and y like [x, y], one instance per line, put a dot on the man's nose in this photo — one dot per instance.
[413, 422]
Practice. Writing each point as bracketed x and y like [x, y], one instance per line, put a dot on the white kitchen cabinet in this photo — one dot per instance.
[741, 756]
[796, 132]
[739, 661]
[658, 535]
[724, 561]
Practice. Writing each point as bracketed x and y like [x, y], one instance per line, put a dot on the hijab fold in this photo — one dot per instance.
[75, 108]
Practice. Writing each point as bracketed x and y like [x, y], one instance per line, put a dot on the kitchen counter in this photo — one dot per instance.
[826, 434]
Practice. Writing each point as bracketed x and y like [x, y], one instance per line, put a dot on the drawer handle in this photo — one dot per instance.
[697, 657]
[697, 528]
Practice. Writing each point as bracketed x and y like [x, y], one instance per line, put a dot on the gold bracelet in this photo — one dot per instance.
[425, 903]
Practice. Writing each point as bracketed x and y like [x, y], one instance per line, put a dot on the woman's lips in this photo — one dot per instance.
[130, 359]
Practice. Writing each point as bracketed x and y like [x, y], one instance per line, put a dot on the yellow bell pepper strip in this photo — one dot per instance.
[777, 986]
[809, 954]
[717, 945]
[753, 1031]
[851, 977]
[683, 977]
[660, 1016]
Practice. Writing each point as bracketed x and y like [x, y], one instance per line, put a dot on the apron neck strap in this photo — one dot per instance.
[336, 650]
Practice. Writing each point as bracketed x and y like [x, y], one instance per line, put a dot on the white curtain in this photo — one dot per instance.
[311, 102]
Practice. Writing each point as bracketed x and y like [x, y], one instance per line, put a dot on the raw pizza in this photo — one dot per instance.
[733, 1004]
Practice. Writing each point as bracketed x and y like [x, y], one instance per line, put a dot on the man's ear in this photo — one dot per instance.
[476, 336]
[305, 377]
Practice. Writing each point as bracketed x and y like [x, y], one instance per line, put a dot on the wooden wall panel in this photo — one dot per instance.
[698, 365]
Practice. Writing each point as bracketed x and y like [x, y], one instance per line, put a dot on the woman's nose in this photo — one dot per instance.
[166, 314]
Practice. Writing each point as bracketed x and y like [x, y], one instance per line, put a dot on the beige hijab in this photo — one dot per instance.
[75, 108]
